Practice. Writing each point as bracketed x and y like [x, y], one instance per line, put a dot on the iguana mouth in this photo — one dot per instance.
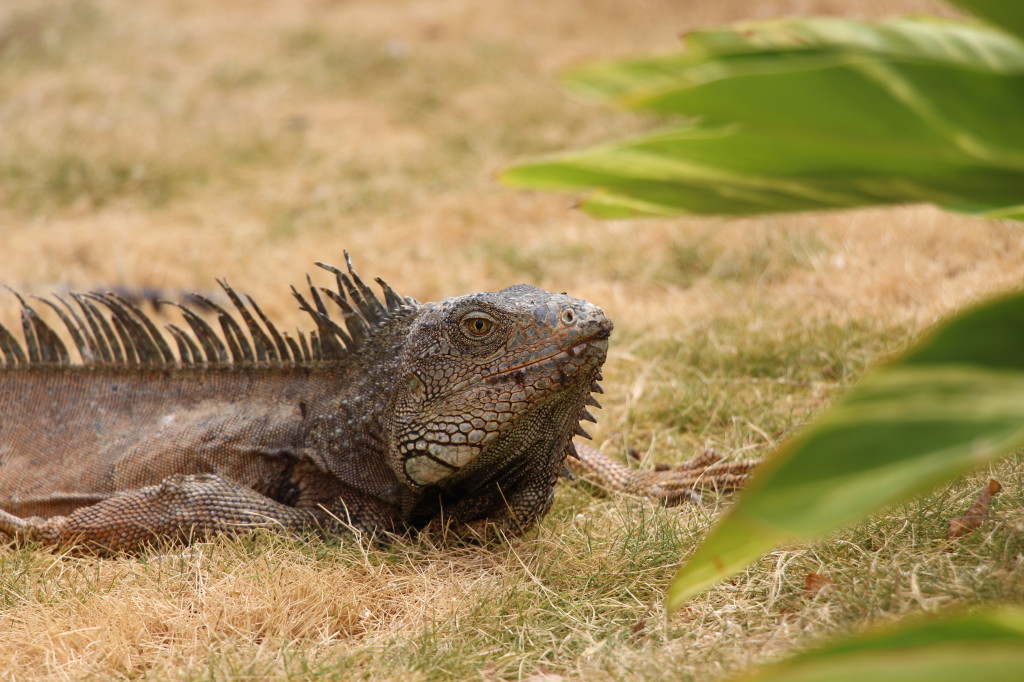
[570, 352]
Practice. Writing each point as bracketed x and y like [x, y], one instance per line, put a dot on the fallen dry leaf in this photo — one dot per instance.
[962, 525]
[814, 583]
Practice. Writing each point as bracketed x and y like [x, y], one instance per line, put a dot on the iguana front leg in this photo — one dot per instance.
[179, 507]
[671, 485]
[480, 518]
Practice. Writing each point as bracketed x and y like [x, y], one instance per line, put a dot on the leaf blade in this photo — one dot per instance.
[987, 645]
[1007, 15]
[952, 403]
[807, 129]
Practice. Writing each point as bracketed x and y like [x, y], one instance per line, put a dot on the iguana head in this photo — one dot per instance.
[491, 375]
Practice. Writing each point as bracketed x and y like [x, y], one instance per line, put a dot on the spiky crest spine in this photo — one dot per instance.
[109, 331]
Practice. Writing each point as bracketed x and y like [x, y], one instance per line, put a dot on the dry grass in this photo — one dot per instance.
[166, 143]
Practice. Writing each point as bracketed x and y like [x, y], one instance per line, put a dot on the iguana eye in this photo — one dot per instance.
[477, 325]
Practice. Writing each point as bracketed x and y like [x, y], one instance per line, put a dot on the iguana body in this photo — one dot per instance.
[459, 413]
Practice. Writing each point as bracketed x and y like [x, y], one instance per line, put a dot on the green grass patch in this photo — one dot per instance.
[731, 383]
[42, 182]
[46, 34]
[762, 260]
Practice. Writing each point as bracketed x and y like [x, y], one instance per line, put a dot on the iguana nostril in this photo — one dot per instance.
[568, 316]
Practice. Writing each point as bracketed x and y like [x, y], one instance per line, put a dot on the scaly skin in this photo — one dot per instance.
[458, 414]
[668, 485]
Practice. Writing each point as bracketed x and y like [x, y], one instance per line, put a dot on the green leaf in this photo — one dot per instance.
[921, 39]
[771, 46]
[807, 115]
[954, 402]
[987, 645]
[1006, 14]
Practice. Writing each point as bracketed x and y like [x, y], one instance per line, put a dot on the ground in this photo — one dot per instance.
[163, 144]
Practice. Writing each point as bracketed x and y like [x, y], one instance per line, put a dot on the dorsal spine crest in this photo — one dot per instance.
[107, 330]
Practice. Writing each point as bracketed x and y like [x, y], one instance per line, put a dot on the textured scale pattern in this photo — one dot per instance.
[389, 416]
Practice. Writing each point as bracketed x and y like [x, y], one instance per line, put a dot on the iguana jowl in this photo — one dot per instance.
[460, 413]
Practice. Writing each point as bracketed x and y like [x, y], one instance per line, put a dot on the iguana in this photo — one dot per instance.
[400, 415]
